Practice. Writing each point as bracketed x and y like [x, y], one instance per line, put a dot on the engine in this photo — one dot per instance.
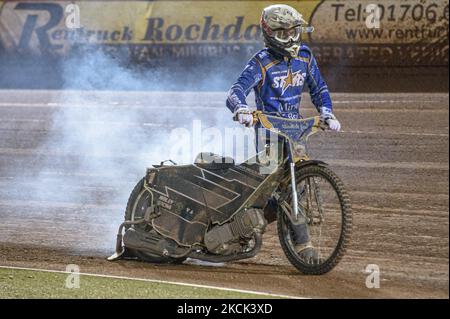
[229, 238]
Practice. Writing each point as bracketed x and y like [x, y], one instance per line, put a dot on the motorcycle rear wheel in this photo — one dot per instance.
[341, 222]
[136, 207]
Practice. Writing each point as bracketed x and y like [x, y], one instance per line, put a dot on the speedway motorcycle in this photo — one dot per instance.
[215, 210]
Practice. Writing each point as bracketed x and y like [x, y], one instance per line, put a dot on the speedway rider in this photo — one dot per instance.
[278, 74]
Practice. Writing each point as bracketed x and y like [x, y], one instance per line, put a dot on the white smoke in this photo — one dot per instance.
[104, 140]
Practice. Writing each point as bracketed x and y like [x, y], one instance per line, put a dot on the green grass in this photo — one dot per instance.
[24, 284]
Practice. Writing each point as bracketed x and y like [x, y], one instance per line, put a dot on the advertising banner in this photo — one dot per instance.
[355, 32]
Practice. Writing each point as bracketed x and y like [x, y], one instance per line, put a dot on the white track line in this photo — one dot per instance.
[153, 125]
[109, 123]
[160, 282]
[57, 204]
[337, 162]
[150, 124]
[389, 195]
[109, 105]
[401, 211]
[399, 165]
[383, 101]
[213, 105]
[395, 133]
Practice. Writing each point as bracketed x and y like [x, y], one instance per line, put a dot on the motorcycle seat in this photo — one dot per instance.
[209, 160]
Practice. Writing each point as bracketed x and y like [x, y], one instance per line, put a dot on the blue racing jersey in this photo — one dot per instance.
[278, 83]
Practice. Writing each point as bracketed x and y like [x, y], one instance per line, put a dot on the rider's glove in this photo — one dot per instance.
[328, 117]
[244, 116]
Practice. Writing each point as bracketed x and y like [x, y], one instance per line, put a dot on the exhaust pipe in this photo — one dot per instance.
[120, 250]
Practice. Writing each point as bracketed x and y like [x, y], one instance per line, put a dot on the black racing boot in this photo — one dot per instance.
[303, 245]
[270, 211]
[307, 253]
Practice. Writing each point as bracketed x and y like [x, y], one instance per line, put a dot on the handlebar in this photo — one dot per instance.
[322, 125]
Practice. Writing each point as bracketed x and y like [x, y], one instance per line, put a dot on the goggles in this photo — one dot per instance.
[292, 34]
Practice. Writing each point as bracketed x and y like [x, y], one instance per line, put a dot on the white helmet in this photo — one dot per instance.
[282, 27]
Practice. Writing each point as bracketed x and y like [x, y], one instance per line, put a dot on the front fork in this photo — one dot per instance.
[294, 191]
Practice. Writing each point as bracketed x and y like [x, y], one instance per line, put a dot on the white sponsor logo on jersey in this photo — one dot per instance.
[295, 79]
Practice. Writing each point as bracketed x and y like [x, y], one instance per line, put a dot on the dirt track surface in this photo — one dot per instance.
[59, 205]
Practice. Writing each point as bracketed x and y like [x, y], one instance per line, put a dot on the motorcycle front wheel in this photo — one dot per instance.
[325, 218]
